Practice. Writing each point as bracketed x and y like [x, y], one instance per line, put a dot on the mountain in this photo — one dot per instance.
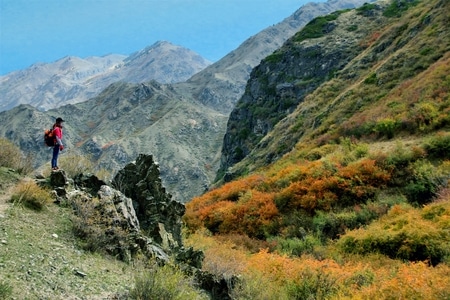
[181, 124]
[72, 79]
[336, 160]
[220, 85]
[49, 85]
[335, 61]
[125, 120]
[282, 80]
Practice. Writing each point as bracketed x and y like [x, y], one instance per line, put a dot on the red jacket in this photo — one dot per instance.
[57, 131]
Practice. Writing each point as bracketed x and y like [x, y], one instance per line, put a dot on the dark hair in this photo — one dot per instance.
[59, 120]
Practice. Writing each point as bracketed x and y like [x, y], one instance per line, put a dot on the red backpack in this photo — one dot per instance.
[49, 138]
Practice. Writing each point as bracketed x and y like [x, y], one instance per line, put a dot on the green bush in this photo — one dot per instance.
[164, 283]
[365, 8]
[371, 79]
[386, 127]
[404, 233]
[425, 182]
[401, 156]
[297, 246]
[331, 225]
[314, 285]
[438, 146]
[352, 28]
[315, 28]
[275, 57]
[398, 7]
[424, 115]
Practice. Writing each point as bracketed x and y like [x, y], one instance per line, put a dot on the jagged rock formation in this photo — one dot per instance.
[153, 205]
[137, 216]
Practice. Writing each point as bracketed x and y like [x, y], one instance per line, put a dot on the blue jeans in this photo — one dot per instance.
[55, 156]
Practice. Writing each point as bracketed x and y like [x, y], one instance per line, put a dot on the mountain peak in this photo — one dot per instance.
[72, 79]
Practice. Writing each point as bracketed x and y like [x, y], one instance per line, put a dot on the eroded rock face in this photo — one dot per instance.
[158, 214]
[136, 216]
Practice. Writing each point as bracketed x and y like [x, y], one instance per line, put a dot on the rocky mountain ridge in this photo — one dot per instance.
[220, 85]
[282, 80]
[71, 79]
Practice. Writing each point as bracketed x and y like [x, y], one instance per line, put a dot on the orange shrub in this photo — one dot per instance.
[251, 205]
[328, 186]
[250, 214]
[409, 281]
[372, 276]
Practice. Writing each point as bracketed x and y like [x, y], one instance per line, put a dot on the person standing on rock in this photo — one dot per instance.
[58, 134]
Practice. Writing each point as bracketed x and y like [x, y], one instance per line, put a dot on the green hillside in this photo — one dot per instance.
[348, 193]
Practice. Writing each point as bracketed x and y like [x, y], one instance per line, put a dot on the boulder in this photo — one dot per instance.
[58, 179]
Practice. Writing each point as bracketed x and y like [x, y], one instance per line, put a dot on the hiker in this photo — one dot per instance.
[57, 129]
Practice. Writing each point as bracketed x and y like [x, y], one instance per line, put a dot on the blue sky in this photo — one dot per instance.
[34, 31]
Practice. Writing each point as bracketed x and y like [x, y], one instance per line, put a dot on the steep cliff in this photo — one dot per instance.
[340, 49]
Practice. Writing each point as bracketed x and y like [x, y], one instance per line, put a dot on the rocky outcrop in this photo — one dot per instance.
[159, 215]
[135, 216]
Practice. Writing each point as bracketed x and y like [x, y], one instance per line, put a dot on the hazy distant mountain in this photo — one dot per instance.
[181, 124]
[50, 85]
[72, 79]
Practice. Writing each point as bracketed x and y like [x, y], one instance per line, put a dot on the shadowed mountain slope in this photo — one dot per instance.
[332, 69]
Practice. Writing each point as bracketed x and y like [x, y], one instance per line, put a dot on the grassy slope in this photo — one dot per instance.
[39, 258]
[372, 88]
[365, 147]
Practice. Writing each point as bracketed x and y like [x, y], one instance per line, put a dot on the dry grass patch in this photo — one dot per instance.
[28, 194]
